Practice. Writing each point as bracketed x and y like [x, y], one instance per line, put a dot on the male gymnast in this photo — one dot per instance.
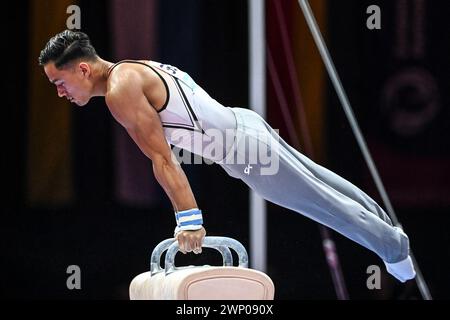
[159, 105]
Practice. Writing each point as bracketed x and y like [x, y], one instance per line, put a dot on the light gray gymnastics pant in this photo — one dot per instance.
[310, 189]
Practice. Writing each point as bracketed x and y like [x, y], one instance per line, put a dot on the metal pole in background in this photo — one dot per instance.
[326, 57]
[257, 88]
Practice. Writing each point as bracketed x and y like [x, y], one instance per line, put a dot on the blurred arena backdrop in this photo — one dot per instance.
[76, 190]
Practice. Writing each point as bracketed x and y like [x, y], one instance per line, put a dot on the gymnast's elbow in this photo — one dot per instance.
[165, 164]
[169, 173]
[160, 161]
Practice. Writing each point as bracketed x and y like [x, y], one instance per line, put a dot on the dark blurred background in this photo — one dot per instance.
[76, 190]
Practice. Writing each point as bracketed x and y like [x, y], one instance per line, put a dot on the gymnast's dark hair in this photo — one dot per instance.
[66, 47]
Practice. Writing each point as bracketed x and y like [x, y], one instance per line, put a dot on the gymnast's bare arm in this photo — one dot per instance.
[128, 103]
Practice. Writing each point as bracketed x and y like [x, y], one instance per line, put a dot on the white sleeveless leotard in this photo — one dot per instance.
[191, 119]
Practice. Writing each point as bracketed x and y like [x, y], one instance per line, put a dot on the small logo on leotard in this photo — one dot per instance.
[247, 169]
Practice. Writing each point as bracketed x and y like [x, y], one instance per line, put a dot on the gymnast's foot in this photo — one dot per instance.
[402, 270]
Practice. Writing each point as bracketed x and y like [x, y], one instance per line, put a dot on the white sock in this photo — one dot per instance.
[402, 270]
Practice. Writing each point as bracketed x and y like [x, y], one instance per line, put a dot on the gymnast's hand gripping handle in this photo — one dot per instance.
[164, 245]
[219, 243]
[222, 244]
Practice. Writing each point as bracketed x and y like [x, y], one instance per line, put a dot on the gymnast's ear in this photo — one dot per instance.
[85, 68]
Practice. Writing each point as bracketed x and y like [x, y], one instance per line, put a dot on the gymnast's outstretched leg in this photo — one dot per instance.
[307, 188]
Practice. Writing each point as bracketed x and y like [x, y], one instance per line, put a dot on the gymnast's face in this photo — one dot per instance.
[72, 82]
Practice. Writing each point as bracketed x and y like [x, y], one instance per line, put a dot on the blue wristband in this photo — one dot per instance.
[191, 219]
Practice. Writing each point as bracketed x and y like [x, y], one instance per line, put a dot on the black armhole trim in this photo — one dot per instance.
[160, 76]
[165, 85]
